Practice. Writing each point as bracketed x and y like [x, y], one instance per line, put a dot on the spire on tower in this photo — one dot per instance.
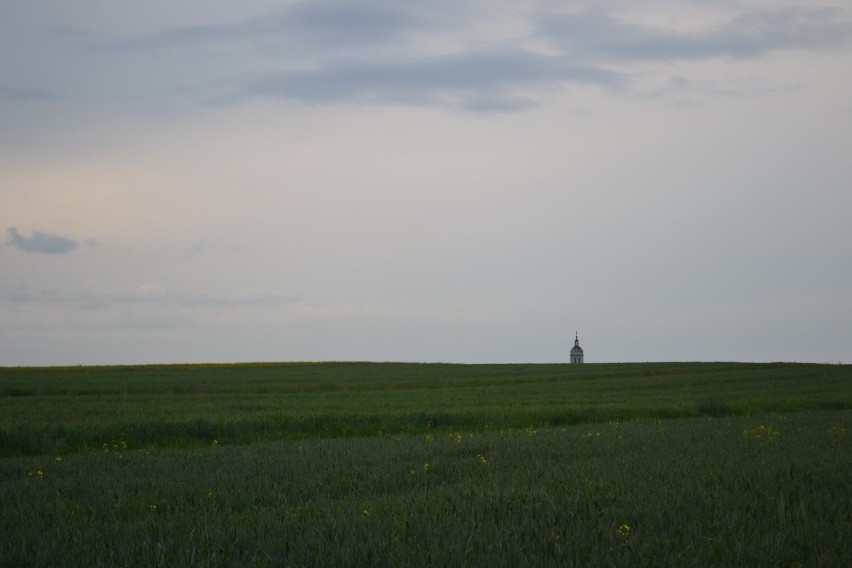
[576, 351]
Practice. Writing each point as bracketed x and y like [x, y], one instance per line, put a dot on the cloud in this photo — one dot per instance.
[24, 94]
[331, 52]
[152, 289]
[203, 245]
[336, 52]
[600, 36]
[320, 27]
[149, 293]
[481, 79]
[441, 54]
[39, 242]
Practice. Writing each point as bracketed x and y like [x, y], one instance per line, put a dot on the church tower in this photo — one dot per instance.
[576, 351]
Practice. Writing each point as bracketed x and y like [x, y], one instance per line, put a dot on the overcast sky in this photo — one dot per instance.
[460, 180]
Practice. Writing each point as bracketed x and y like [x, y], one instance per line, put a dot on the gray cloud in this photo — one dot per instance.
[24, 94]
[600, 36]
[482, 80]
[443, 54]
[200, 246]
[333, 52]
[347, 22]
[307, 28]
[39, 242]
[147, 294]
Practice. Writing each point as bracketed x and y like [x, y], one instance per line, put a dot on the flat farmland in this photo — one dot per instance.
[394, 464]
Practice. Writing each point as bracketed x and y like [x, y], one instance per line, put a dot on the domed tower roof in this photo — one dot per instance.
[576, 350]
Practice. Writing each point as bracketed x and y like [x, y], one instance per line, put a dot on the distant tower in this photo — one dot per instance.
[576, 351]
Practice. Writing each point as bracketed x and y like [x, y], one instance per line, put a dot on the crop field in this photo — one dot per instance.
[392, 464]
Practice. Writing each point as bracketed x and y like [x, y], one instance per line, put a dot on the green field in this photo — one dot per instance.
[427, 464]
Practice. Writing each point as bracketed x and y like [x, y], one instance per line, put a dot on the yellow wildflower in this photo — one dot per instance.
[767, 432]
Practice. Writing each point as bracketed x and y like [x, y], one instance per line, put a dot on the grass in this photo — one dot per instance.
[398, 464]
[63, 410]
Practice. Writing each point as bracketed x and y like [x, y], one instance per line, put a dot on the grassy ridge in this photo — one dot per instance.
[68, 409]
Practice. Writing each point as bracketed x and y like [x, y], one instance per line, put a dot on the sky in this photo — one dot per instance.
[461, 181]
